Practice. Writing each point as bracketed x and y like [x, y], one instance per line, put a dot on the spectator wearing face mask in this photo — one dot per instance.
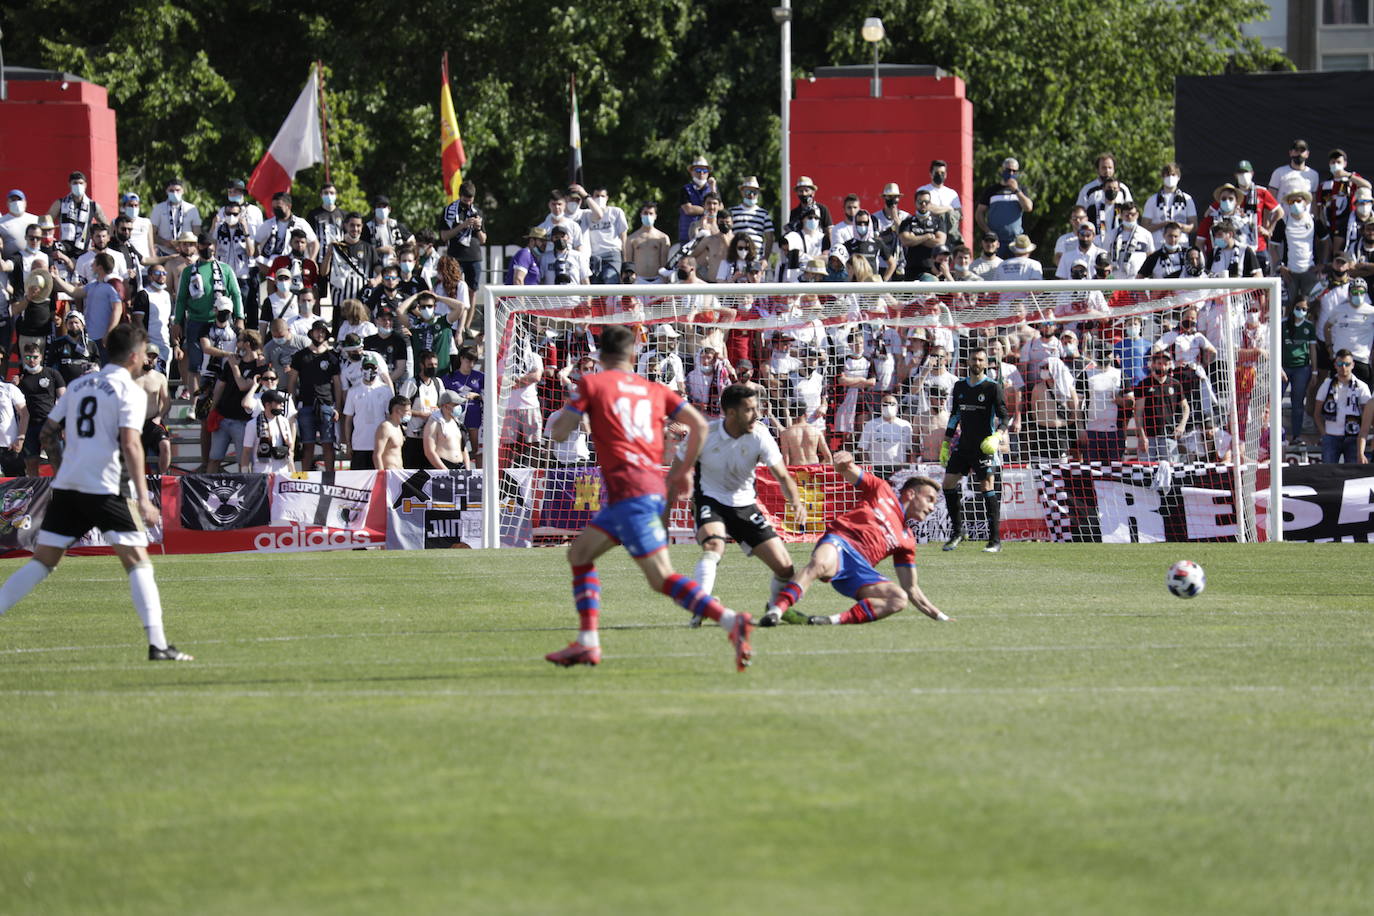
[805, 189]
[41, 386]
[1106, 207]
[391, 345]
[1132, 352]
[1082, 254]
[1002, 207]
[281, 302]
[887, 439]
[1231, 257]
[465, 233]
[384, 233]
[1333, 202]
[605, 226]
[228, 418]
[269, 437]
[428, 329]
[560, 261]
[75, 213]
[1360, 249]
[741, 253]
[1299, 245]
[13, 224]
[1168, 260]
[1298, 361]
[801, 245]
[365, 407]
[152, 307]
[692, 197]
[313, 380]
[920, 235]
[1093, 193]
[944, 200]
[296, 258]
[647, 247]
[752, 220]
[468, 382]
[1347, 325]
[424, 392]
[1296, 167]
[236, 195]
[1186, 343]
[1341, 412]
[1129, 244]
[661, 362]
[1251, 208]
[1169, 204]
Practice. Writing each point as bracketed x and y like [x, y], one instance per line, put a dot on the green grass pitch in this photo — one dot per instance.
[378, 733]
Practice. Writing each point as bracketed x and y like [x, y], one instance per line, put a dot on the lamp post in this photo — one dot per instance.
[782, 15]
[873, 32]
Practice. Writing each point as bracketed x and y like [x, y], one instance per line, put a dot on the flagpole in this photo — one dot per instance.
[324, 121]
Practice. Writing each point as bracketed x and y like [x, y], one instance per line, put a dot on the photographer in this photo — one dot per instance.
[560, 263]
[229, 420]
[268, 439]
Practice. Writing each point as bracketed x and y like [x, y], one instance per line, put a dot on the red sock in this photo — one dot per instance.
[859, 613]
[587, 595]
[788, 595]
[691, 596]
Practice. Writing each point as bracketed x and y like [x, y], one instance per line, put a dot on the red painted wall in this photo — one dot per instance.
[48, 131]
[848, 142]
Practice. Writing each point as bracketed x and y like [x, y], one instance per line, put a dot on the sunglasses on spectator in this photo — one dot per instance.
[1344, 362]
[268, 378]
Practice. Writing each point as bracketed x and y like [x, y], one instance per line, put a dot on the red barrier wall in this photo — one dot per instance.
[51, 128]
[848, 142]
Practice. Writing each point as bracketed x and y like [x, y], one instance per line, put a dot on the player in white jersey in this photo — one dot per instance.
[100, 482]
[725, 502]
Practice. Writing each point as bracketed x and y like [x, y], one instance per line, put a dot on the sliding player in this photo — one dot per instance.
[725, 502]
[978, 411]
[626, 414]
[858, 540]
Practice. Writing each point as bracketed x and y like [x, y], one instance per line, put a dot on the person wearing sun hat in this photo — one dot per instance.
[748, 218]
[1020, 266]
[805, 190]
[1299, 243]
[691, 203]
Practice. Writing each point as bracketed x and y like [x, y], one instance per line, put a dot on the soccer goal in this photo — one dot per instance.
[1103, 440]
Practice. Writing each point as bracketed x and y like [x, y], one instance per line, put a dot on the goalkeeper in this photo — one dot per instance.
[978, 411]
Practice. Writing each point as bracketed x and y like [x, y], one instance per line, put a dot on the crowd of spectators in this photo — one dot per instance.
[343, 335]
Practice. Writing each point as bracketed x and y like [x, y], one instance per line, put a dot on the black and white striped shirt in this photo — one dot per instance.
[753, 221]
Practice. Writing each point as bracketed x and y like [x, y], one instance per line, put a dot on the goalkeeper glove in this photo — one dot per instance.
[944, 452]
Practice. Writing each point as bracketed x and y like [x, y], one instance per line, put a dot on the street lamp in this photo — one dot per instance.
[782, 15]
[873, 32]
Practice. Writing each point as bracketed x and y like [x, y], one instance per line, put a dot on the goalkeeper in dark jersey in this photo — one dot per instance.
[978, 412]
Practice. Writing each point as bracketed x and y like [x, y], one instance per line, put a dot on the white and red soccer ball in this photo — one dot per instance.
[1186, 579]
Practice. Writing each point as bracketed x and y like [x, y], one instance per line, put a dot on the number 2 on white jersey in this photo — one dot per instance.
[636, 418]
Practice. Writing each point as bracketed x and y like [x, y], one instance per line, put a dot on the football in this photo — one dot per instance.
[990, 444]
[1186, 579]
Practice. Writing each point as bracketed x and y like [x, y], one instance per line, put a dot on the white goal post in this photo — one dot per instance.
[854, 343]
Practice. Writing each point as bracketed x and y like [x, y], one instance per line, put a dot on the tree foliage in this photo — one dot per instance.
[200, 88]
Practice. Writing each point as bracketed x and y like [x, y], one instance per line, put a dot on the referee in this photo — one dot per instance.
[977, 410]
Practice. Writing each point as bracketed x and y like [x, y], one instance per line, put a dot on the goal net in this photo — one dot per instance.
[1104, 439]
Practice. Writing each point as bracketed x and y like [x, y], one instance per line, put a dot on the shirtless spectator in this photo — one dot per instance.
[1051, 409]
[154, 383]
[386, 448]
[443, 434]
[801, 443]
[646, 249]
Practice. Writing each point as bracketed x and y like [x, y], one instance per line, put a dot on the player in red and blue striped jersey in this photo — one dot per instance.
[855, 542]
[627, 413]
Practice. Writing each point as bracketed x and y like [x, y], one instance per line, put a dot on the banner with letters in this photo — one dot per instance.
[1109, 502]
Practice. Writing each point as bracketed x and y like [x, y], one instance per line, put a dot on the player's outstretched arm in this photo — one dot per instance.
[906, 577]
[843, 462]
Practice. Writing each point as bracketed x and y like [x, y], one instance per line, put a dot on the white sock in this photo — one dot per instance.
[835, 619]
[705, 573]
[22, 581]
[775, 586]
[589, 638]
[727, 620]
[148, 603]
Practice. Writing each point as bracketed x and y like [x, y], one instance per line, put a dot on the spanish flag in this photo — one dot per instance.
[450, 141]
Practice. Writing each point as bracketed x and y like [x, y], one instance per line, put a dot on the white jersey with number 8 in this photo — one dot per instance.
[92, 411]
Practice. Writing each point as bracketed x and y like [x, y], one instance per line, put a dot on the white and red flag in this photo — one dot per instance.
[298, 144]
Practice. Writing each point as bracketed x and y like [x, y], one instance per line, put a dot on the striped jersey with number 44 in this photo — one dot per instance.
[877, 528]
[626, 413]
[92, 411]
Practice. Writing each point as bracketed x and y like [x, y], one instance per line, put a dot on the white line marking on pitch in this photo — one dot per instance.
[544, 692]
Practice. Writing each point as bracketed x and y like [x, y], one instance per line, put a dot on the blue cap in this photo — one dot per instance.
[16, 193]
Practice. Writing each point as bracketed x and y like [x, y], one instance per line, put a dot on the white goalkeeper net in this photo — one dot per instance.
[1097, 446]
